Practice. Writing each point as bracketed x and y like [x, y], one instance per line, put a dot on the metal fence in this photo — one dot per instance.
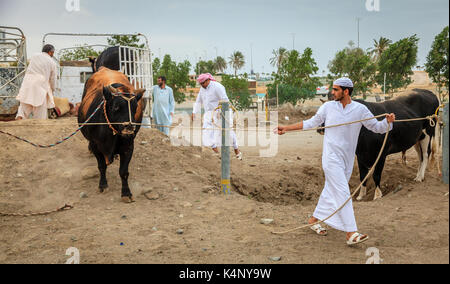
[13, 63]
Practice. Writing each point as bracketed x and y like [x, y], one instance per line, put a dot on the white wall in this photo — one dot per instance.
[69, 85]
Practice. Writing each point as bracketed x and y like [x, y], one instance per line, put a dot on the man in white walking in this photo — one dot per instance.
[36, 93]
[211, 93]
[339, 147]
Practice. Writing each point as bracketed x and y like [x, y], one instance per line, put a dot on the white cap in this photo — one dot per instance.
[344, 82]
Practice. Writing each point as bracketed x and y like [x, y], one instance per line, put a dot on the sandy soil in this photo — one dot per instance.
[410, 226]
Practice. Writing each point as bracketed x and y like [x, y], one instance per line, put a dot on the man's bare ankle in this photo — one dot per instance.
[312, 220]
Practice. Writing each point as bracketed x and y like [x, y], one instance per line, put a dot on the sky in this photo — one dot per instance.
[194, 29]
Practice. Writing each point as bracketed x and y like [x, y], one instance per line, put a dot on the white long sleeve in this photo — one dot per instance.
[317, 119]
[375, 125]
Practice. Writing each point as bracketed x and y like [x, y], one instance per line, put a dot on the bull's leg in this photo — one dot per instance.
[363, 170]
[377, 177]
[425, 153]
[103, 184]
[420, 157]
[404, 158]
[125, 158]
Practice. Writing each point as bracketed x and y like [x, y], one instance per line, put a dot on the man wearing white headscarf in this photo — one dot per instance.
[339, 147]
[211, 93]
[36, 93]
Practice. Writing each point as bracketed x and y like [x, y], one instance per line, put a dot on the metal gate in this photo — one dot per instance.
[134, 62]
[13, 64]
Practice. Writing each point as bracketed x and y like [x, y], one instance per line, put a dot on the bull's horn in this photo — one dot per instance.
[112, 89]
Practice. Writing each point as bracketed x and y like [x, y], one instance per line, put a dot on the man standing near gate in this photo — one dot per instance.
[36, 93]
[163, 105]
[339, 147]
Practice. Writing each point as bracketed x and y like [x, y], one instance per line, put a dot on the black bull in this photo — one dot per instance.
[110, 139]
[404, 135]
[109, 58]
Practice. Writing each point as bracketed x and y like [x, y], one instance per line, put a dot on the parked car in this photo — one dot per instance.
[322, 91]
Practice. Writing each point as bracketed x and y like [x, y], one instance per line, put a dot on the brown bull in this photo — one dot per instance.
[121, 107]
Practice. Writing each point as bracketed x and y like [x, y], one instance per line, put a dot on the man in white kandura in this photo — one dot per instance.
[338, 156]
[36, 93]
[163, 105]
[211, 93]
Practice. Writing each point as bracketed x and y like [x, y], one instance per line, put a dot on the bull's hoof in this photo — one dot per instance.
[418, 179]
[378, 194]
[102, 188]
[127, 199]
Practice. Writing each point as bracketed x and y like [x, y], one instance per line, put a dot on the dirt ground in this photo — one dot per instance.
[410, 226]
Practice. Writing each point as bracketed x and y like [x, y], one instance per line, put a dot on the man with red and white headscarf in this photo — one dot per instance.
[211, 93]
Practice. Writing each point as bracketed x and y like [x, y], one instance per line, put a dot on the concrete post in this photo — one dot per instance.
[226, 184]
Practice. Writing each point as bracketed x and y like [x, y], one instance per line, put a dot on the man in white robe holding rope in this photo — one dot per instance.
[211, 93]
[339, 147]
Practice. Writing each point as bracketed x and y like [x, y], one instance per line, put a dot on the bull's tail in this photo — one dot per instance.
[433, 149]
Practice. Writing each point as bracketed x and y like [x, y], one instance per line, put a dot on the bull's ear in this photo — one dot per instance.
[92, 59]
[139, 93]
[107, 93]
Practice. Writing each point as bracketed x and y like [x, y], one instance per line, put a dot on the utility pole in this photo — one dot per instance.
[357, 20]
[251, 58]
[293, 40]
[217, 55]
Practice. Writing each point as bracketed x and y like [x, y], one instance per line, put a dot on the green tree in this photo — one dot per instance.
[437, 63]
[279, 56]
[237, 91]
[82, 52]
[237, 61]
[156, 65]
[397, 63]
[379, 47]
[290, 94]
[220, 64]
[356, 64]
[177, 75]
[205, 67]
[295, 77]
[125, 40]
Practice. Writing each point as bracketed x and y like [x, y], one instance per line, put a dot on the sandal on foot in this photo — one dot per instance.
[357, 238]
[321, 231]
[239, 156]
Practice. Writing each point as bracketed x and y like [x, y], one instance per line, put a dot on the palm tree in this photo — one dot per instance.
[379, 47]
[237, 61]
[279, 55]
[220, 64]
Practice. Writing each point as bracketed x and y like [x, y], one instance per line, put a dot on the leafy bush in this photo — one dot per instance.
[237, 91]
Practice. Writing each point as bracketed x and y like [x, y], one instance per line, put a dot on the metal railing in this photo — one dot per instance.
[13, 57]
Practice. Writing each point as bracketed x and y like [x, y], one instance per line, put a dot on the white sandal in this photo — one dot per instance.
[357, 238]
[321, 231]
[239, 156]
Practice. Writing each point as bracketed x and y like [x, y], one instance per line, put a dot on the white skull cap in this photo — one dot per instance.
[344, 82]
